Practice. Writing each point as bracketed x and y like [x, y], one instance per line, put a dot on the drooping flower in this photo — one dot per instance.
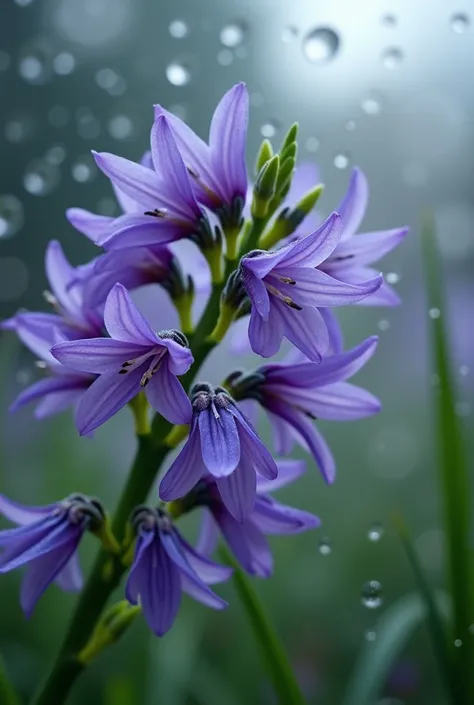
[223, 443]
[286, 289]
[217, 169]
[164, 566]
[296, 395]
[169, 210]
[247, 540]
[46, 541]
[134, 358]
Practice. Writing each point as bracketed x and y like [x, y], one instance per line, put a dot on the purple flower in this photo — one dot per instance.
[286, 290]
[46, 540]
[247, 540]
[221, 442]
[295, 395]
[217, 169]
[164, 566]
[132, 359]
[169, 210]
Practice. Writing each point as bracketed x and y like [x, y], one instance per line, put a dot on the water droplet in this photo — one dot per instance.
[14, 278]
[178, 74]
[372, 594]
[458, 643]
[392, 57]
[325, 547]
[383, 324]
[55, 155]
[341, 161]
[370, 635]
[321, 45]
[40, 177]
[58, 116]
[269, 129]
[460, 22]
[4, 60]
[178, 29]
[371, 106]
[88, 125]
[392, 278]
[64, 63]
[312, 144]
[434, 313]
[388, 20]
[18, 129]
[375, 532]
[225, 57]
[464, 370]
[232, 34]
[289, 34]
[11, 216]
[35, 62]
[84, 169]
[350, 125]
[110, 81]
[120, 127]
[93, 23]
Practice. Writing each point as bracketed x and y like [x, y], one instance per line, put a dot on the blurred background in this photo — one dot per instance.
[385, 85]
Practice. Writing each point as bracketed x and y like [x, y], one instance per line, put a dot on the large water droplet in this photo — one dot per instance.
[40, 177]
[232, 34]
[460, 22]
[324, 546]
[178, 74]
[392, 58]
[341, 161]
[434, 313]
[14, 278]
[11, 216]
[375, 532]
[458, 643]
[372, 594]
[383, 324]
[64, 63]
[178, 29]
[321, 45]
[392, 278]
[35, 62]
[120, 127]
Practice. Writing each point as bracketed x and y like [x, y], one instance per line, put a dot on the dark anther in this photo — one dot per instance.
[156, 213]
[175, 335]
[289, 302]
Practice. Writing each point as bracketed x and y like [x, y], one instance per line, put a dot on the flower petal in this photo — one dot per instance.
[305, 329]
[186, 470]
[316, 288]
[70, 578]
[312, 250]
[255, 452]
[238, 490]
[257, 292]
[41, 573]
[274, 518]
[266, 336]
[96, 227]
[60, 276]
[208, 534]
[143, 231]
[107, 395]
[342, 401]
[288, 472]
[36, 331]
[207, 571]
[166, 394]
[136, 181]
[248, 545]
[124, 321]
[365, 249]
[97, 355]
[57, 402]
[352, 207]
[220, 445]
[55, 537]
[23, 515]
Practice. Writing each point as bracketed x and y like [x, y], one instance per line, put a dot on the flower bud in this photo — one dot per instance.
[264, 189]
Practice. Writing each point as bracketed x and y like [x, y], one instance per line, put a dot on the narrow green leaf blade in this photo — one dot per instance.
[8, 695]
[271, 648]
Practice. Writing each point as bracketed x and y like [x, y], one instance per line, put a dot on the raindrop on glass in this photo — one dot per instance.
[312, 144]
[232, 34]
[392, 58]
[460, 22]
[178, 29]
[321, 45]
[341, 161]
[34, 64]
[120, 127]
[178, 74]
[40, 177]
[269, 129]
[372, 594]
[64, 63]
[388, 20]
[392, 278]
[375, 532]
[83, 169]
[55, 155]
[434, 313]
[11, 216]
[371, 106]
[458, 643]
[225, 57]
[4, 60]
[350, 125]
[58, 116]
[370, 635]
[383, 324]
[289, 34]
[325, 547]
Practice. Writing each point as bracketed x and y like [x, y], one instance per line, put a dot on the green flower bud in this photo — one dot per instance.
[113, 623]
[265, 153]
[264, 188]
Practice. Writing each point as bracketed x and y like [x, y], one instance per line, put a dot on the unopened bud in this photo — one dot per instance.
[264, 189]
[109, 629]
[290, 137]
[265, 153]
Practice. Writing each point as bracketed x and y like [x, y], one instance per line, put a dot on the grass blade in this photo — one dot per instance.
[453, 477]
[271, 648]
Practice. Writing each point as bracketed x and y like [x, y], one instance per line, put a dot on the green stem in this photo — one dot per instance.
[252, 235]
[8, 695]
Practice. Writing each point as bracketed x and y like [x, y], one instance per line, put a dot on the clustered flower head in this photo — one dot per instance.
[268, 268]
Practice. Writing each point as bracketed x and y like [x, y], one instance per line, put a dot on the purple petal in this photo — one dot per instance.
[288, 472]
[274, 518]
[60, 275]
[342, 401]
[96, 227]
[23, 515]
[253, 451]
[41, 389]
[257, 292]
[316, 288]
[166, 394]
[207, 571]
[365, 249]
[97, 355]
[284, 436]
[266, 336]
[220, 445]
[306, 176]
[248, 545]
[143, 231]
[136, 181]
[41, 573]
[186, 470]
[239, 343]
[336, 339]
[208, 534]
[45, 541]
[238, 490]
[70, 578]
[352, 207]
[58, 402]
[124, 321]
[36, 331]
[179, 358]
[142, 556]
[305, 329]
[313, 249]
[227, 140]
[107, 395]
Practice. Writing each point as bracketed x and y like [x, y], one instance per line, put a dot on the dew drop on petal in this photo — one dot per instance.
[341, 161]
[14, 278]
[460, 22]
[372, 594]
[321, 45]
[289, 34]
[434, 313]
[11, 216]
[269, 129]
[84, 169]
[392, 57]
[120, 127]
[325, 547]
[40, 177]
[178, 29]
[232, 34]
[225, 57]
[312, 144]
[178, 74]
[375, 532]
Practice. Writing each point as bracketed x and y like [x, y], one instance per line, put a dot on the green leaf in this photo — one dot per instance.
[393, 630]
[8, 695]
[271, 648]
[454, 480]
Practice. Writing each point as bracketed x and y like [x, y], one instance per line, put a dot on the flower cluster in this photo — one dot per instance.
[267, 267]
